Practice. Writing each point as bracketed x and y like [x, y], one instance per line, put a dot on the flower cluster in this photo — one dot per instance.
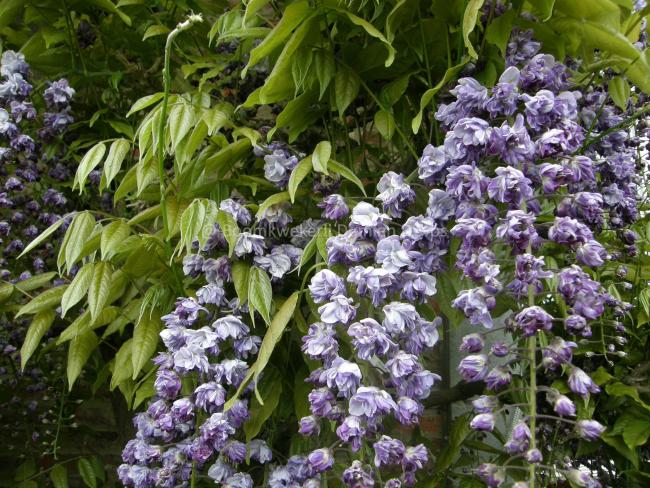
[194, 421]
[522, 179]
[26, 139]
[370, 338]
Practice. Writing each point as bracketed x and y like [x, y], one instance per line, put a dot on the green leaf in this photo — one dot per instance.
[499, 30]
[298, 174]
[197, 222]
[145, 102]
[272, 200]
[308, 252]
[83, 323]
[271, 338]
[230, 229]
[87, 472]
[145, 341]
[146, 172]
[110, 7]
[75, 238]
[271, 391]
[9, 10]
[78, 288]
[325, 68]
[35, 282]
[90, 160]
[59, 476]
[116, 154]
[39, 326]
[155, 30]
[50, 298]
[80, 349]
[113, 235]
[427, 96]
[181, 120]
[619, 90]
[636, 431]
[346, 85]
[393, 91]
[621, 389]
[385, 124]
[123, 365]
[346, 173]
[252, 7]
[42, 237]
[99, 289]
[260, 293]
[240, 271]
[544, 8]
[374, 32]
[469, 22]
[323, 234]
[321, 156]
[293, 15]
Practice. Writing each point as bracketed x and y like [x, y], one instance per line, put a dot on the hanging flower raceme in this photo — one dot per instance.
[518, 187]
[194, 422]
[369, 339]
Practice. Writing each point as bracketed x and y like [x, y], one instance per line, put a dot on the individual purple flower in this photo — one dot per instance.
[415, 457]
[344, 375]
[388, 451]
[373, 282]
[394, 193]
[210, 396]
[521, 47]
[334, 207]
[518, 231]
[471, 343]
[473, 367]
[13, 62]
[278, 166]
[581, 383]
[248, 243]
[441, 206]
[557, 353]
[370, 402]
[467, 140]
[592, 253]
[240, 213]
[392, 255]
[398, 317]
[484, 404]
[320, 341]
[408, 410]
[357, 476]
[505, 95]
[230, 326]
[566, 230]
[519, 439]
[309, 426]
[476, 304]
[563, 406]
[533, 319]
[582, 478]
[321, 401]
[483, 422]
[275, 264]
[533, 456]
[369, 338]
[510, 186]
[59, 94]
[466, 182]
[369, 221]
[589, 429]
[512, 143]
[320, 460]
[475, 233]
[417, 286]
[339, 309]
[432, 164]
[470, 94]
[167, 384]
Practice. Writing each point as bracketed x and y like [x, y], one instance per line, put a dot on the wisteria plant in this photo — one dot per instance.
[350, 244]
